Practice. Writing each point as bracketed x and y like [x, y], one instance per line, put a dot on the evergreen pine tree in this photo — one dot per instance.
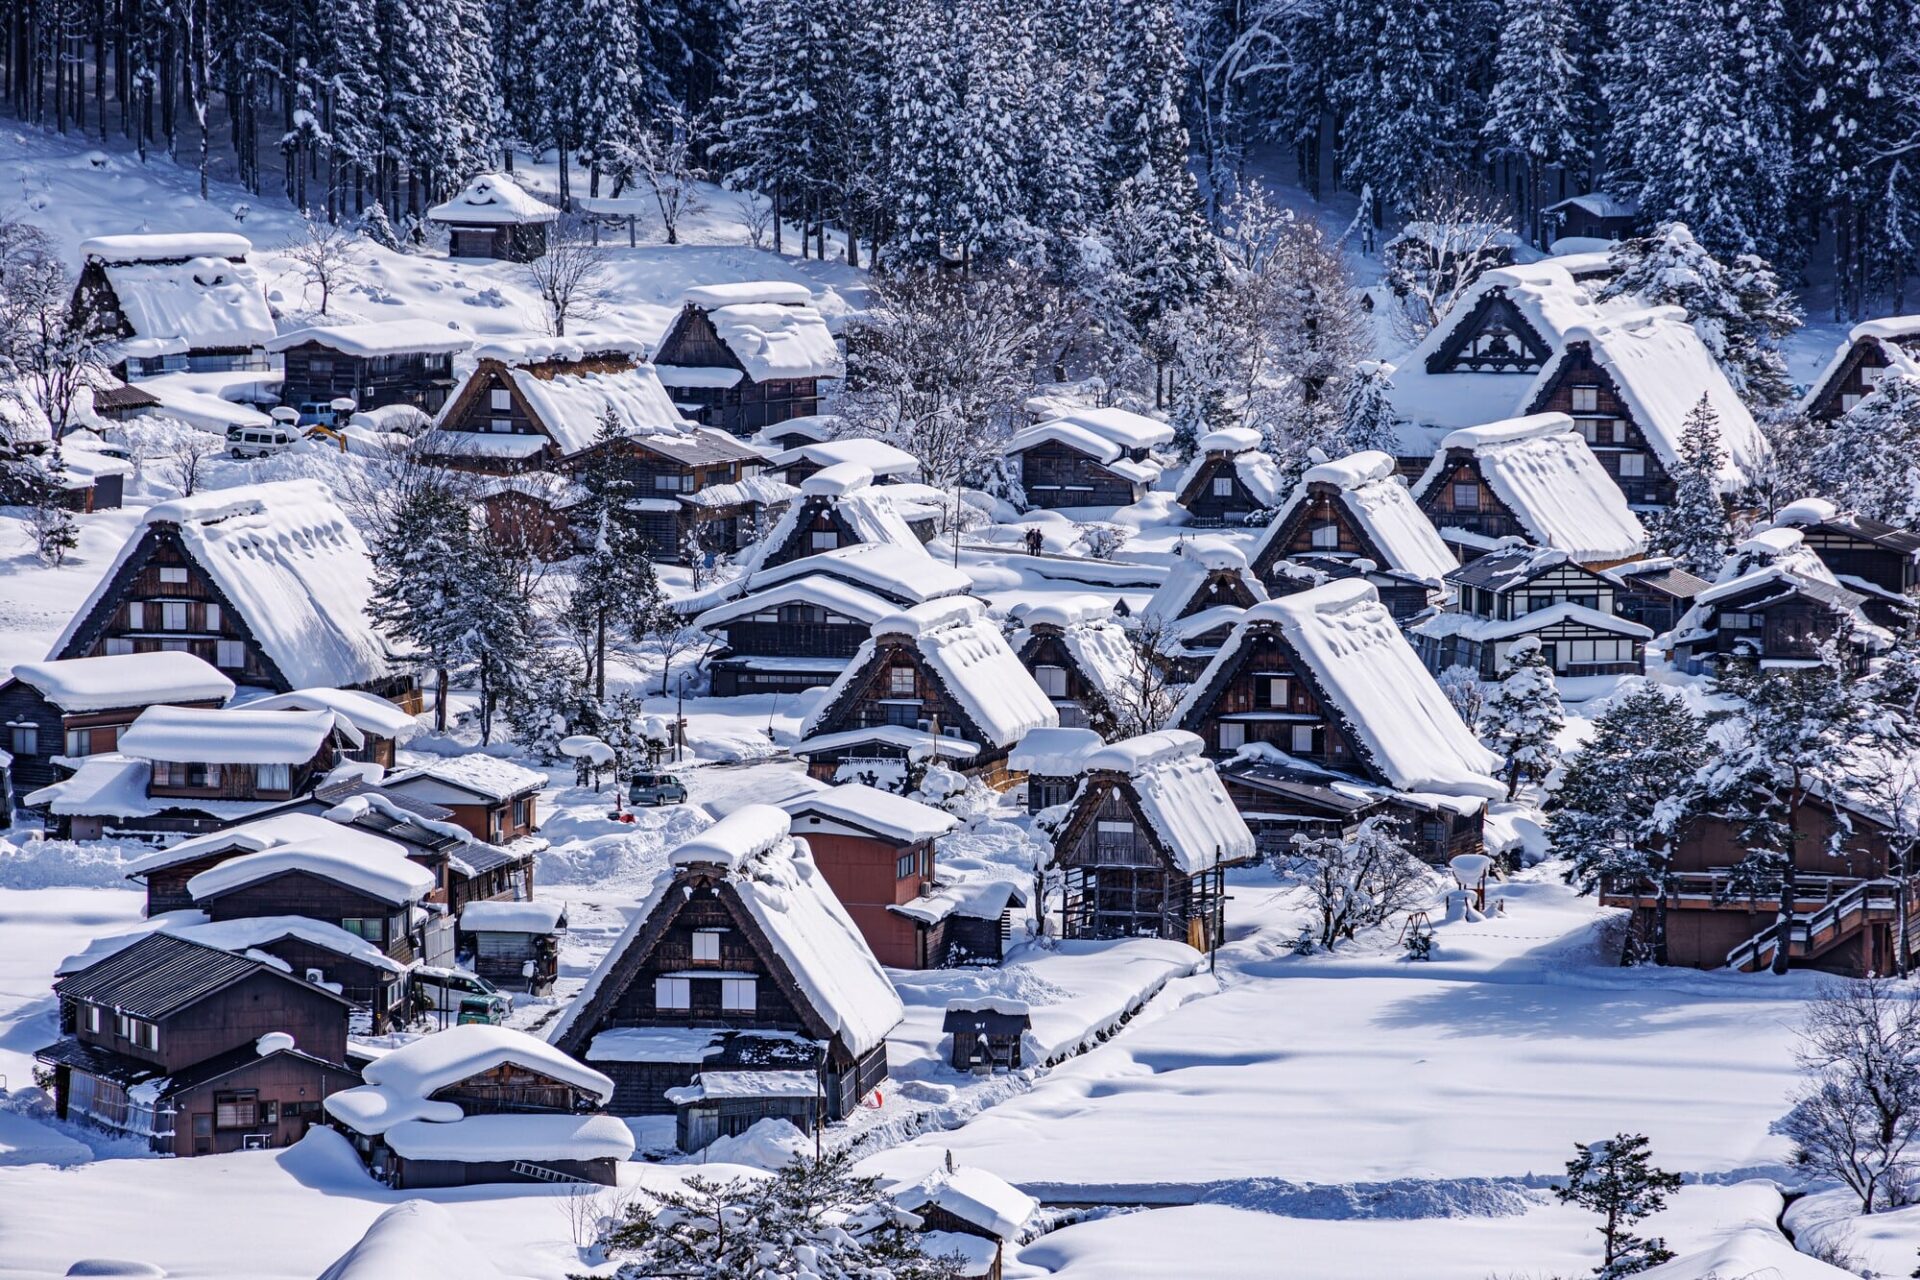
[1694, 529]
[1618, 1180]
[924, 115]
[1739, 309]
[590, 77]
[985, 217]
[615, 584]
[1627, 793]
[1539, 101]
[416, 557]
[1522, 716]
[1865, 461]
[1403, 126]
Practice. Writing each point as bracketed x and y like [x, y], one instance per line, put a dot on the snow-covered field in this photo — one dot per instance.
[1354, 1115]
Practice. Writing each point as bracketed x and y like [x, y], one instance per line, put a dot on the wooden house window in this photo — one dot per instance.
[210, 621]
[901, 682]
[136, 615]
[706, 944]
[1633, 465]
[230, 655]
[1847, 401]
[1051, 679]
[739, 995]
[824, 540]
[520, 813]
[23, 739]
[273, 777]
[1736, 621]
[173, 615]
[1223, 486]
[1586, 399]
[173, 573]
[1277, 692]
[500, 400]
[369, 928]
[675, 994]
[117, 646]
[1233, 737]
[93, 1018]
[1303, 739]
[1326, 535]
[906, 865]
[236, 1110]
[1466, 496]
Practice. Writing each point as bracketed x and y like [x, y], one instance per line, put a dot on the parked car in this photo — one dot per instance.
[258, 442]
[655, 789]
[456, 991]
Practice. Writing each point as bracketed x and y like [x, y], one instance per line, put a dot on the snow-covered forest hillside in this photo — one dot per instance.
[915, 639]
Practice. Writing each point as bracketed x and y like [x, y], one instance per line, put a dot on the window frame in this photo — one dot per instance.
[672, 995]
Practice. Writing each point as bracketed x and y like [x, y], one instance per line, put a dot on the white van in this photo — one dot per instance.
[258, 442]
[456, 991]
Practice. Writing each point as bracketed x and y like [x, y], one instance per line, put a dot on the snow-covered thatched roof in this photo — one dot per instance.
[492, 199]
[1544, 471]
[1180, 796]
[205, 302]
[1377, 501]
[773, 879]
[291, 564]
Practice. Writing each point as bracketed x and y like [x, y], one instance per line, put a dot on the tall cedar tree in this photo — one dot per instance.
[1522, 716]
[615, 583]
[1694, 529]
[1537, 112]
[1618, 1180]
[1865, 460]
[1627, 795]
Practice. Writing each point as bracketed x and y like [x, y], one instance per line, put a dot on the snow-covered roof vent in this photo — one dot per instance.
[195, 735]
[493, 199]
[749, 832]
[125, 680]
[782, 293]
[1230, 440]
[837, 480]
[1054, 752]
[166, 247]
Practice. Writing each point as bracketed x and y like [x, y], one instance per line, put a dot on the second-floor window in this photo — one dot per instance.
[1633, 465]
[824, 540]
[1052, 680]
[1586, 399]
[706, 944]
[230, 655]
[738, 995]
[1466, 497]
[273, 777]
[173, 574]
[907, 864]
[23, 739]
[370, 928]
[173, 615]
[1326, 535]
[500, 400]
[1223, 486]
[672, 994]
[519, 813]
[900, 682]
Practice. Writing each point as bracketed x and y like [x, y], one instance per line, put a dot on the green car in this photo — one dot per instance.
[655, 789]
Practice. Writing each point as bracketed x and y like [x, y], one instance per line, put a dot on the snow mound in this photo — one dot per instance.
[769, 1144]
[417, 1240]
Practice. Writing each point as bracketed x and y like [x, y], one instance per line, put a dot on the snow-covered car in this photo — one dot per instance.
[655, 789]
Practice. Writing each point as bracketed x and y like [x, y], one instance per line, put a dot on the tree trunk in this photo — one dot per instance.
[440, 700]
[600, 657]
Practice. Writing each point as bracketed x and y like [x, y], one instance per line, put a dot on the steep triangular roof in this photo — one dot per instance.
[1364, 494]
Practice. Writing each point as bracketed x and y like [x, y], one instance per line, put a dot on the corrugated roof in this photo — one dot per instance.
[159, 975]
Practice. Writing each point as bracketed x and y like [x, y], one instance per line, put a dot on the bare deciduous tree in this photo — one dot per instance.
[1456, 233]
[1859, 1116]
[661, 158]
[185, 457]
[1145, 701]
[325, 255]
[53, 348]
[756, 215]
[1361, 880]
[571, 279]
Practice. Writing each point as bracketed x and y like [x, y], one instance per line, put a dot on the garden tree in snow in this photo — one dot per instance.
[185, 456]
[809, 1220]
[1627, 794]
[416, 554]
[1694, 528]
[1522, 716]
[938, 366]
[378, 227]
[570, 278]
[34, 481]
[1858, 1117]
[1792, 732]
[1618, 1180]
[1539, 105]
[1864, 461]
[1367, 419]
[1144, 702]
[324, 253]
[1359, 879]
[1462, 231]
[615, 588]
[660, 157]
[1462, 687]
[1738, 307]
[45, 345]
